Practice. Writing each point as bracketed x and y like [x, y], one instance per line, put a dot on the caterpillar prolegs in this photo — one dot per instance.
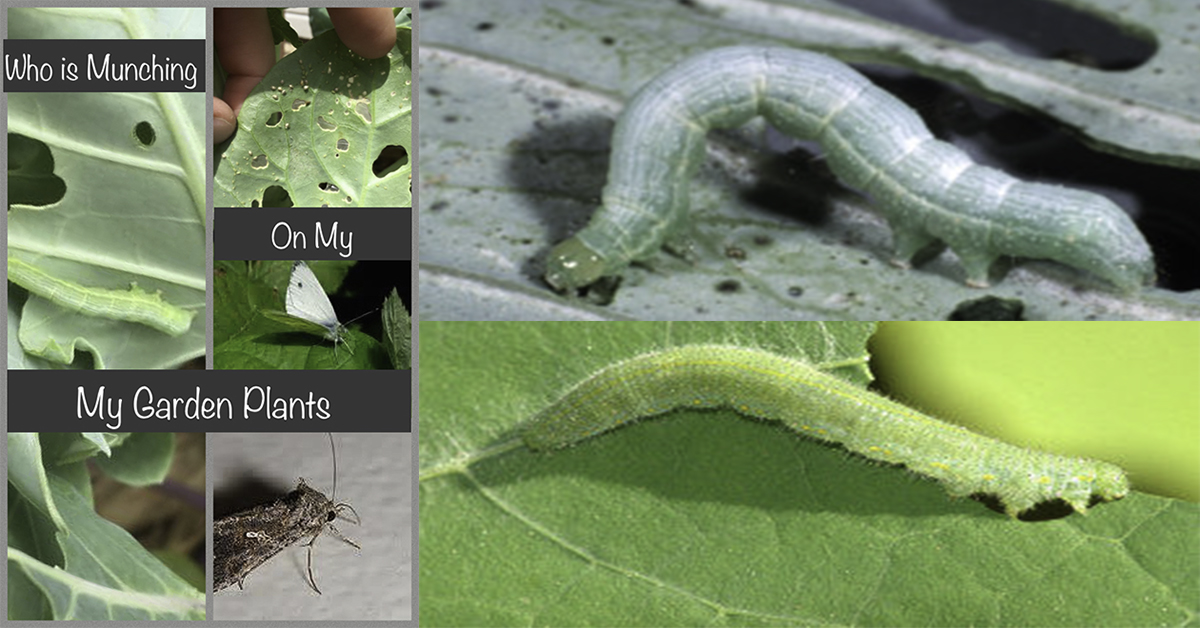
[927, 190]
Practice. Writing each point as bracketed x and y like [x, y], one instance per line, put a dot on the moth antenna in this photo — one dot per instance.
[334, 450]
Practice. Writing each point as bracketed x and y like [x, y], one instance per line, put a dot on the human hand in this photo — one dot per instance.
[242, 39]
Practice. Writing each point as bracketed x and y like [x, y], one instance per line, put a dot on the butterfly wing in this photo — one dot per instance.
[306, 299]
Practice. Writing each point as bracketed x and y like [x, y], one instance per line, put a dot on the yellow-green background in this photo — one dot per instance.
[1128, 393]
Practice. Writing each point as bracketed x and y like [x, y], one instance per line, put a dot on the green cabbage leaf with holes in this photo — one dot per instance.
[324, 128]
[106, 209]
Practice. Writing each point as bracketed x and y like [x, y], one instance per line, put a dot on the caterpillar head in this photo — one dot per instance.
[1118, 254]
[572, 265]
[1089, 482]
[1091, 233]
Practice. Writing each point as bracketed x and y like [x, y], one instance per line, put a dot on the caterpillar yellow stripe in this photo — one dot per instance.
[927, 190]
[764, 385]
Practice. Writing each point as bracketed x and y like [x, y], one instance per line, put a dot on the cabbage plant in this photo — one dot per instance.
[64, 560]
[324, 128]
[106, 208]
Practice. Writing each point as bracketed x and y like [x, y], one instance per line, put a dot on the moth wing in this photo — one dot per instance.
[241, 543]
[306, 299]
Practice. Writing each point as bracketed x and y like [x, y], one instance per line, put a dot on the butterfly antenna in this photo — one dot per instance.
[360, 316]
[346, 327]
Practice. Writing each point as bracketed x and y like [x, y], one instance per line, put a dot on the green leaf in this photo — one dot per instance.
[280, 29]
[142, 460]
[33, 533]
[184, 566]
[323, 147]
[60, 448]
[30, 530]
[86, 568]
[107, 574]
[131, 218]
[27, 473]
[397, 338]
[403, 16]
[318, 20]
[706, 518]
[781, 240]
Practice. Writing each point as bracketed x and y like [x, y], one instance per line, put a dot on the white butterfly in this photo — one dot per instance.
[306, 299]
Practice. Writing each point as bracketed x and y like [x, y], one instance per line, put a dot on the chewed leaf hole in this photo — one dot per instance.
[259, 162]
[363, 109]
[325, 124]
[391, 158]
[274, 119]
[343, 144]
[298, 104]
[144, 133]
[31, 178]
[325, 186]
[276, 196]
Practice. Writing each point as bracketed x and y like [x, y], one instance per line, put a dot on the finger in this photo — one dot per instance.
[242, 39]
[224, 122]
[370, 32]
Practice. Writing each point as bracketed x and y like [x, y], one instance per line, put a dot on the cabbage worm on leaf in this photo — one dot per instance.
[134, 305]
[927, 190]
[764, 385]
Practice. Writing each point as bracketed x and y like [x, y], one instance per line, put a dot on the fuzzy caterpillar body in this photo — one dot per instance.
[764, 385]
[927, 190]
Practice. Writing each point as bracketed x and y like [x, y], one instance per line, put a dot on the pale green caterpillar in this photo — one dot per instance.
[134, 305]
[927, 190]
[764, 385]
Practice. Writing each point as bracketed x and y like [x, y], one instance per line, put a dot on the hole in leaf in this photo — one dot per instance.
[298, 104]
[276, 196]
[343, 144]
[347, 199]
[259, 162]
[327, 187]
[391, 158]
[143, 132]
[363, 109]
[31, 178]
[274, 119]
[326, 125]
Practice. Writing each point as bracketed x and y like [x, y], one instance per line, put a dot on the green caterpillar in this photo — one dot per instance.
[764, 385]
[927, 190]
[134, 305]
